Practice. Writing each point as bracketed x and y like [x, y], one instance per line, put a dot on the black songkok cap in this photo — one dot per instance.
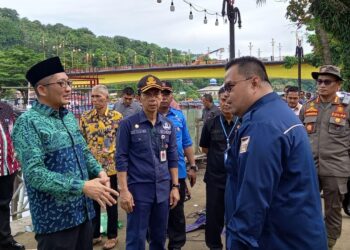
[43, 69]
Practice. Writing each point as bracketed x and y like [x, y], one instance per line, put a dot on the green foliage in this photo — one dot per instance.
[333, 17]
[290, 61]
[80, 48]
[14, 63]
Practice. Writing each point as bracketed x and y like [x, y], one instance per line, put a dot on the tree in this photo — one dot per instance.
[14, 63]
[330, 20]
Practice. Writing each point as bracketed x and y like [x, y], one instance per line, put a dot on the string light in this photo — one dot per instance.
[172, 6]
[197, 8]
[191, 14]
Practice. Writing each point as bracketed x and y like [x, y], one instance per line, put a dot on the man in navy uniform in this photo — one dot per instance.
[177, 221]
[147, 169]
[272, 195]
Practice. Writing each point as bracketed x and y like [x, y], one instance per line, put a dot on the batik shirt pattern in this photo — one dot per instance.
[100, 133]
[56, 162]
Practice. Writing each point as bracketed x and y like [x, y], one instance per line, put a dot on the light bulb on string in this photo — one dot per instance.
[159, 1]
[191, 14]
[205, 21]
[217, 20]
[172, 6]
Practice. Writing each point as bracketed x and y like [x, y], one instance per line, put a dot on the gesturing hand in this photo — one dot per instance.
[97, 190]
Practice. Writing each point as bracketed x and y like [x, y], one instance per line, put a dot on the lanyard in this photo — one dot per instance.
[223, 129]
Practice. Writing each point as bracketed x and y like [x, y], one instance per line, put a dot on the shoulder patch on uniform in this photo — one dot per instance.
[244, 144]
[311, 111]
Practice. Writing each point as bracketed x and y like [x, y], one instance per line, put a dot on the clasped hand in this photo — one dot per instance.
[99, 190]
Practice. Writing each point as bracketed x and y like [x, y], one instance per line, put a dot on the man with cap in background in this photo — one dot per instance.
[57, 164]
[147, 163]
[326, 120]
[177, 221]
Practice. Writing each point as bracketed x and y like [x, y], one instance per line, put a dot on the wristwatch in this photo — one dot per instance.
[194, 167]
[175, 186]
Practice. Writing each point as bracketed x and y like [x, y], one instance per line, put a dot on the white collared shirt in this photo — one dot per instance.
[297, 109]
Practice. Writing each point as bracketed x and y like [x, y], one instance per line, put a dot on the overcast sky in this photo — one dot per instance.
[153, 22]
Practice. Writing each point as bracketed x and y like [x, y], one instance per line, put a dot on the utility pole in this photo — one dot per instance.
[299, 52]
[259, 53]
[279, 51]
[273, 50]
[234, 16]
[250, 46]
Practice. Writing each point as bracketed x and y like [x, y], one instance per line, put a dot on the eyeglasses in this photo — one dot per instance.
[326, 81]
[229, 87]
[62, 83]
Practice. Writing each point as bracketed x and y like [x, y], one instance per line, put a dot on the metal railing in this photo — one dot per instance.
[19, 202]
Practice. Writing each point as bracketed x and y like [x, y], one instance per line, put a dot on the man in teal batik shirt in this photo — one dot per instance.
[60, 173]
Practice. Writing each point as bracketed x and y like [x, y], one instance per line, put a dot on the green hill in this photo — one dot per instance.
[24, 42]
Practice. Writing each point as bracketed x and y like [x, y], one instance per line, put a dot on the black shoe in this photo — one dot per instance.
[13, 245]
[346, 205]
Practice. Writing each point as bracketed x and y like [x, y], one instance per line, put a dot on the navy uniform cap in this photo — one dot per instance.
[167, 86]
[43, 69]
[149, 82]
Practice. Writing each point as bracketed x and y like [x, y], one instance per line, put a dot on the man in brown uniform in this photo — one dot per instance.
[326, 120]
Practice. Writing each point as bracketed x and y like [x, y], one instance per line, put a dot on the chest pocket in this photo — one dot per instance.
[337, 125]
[178, 129]
[310, 124]
[140, 142]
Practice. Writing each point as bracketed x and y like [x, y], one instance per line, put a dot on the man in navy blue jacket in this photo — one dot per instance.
[147, 164]
[272, 194]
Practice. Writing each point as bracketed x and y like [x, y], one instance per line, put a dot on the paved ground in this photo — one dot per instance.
[195, 240]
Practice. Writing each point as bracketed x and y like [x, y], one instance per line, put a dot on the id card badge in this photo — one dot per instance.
[162, 152]
[162, 155]
[226, 152]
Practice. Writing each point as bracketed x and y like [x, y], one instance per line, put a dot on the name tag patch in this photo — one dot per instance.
[138, 131]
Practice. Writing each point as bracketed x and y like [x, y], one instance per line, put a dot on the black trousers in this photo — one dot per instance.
[215, 212]
[112, 215]
[6, 192]
[76, 238]
[177, 222]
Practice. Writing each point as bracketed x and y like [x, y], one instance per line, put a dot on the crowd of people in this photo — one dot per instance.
[267, 161]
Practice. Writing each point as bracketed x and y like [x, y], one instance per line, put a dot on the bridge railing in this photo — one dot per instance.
[130, 67]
